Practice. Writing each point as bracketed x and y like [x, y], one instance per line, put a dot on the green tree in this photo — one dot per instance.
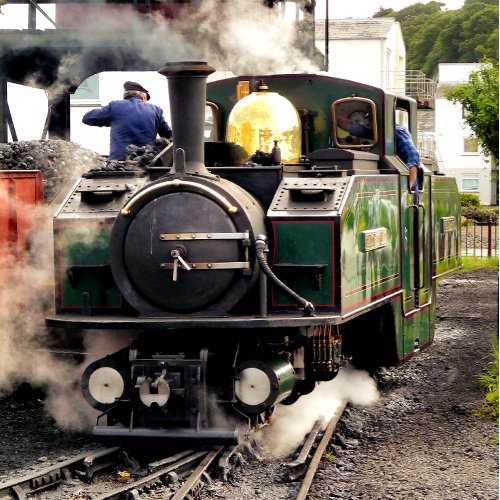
[445, 47]
[385, 13]
[469, 200]
[482, 40]
[411, 11]
[423, 42]
[433, 36]
[479, 98]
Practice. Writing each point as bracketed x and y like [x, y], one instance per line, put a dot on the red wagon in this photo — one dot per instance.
[21, 195]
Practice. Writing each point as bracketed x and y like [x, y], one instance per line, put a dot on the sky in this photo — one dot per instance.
[14, 17]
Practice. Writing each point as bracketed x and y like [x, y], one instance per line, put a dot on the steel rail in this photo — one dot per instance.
[325, 440]
[84, 466]
[299, 466]
[158, 475]
[195, 476]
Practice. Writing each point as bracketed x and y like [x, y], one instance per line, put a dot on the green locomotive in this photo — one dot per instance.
[264, 247]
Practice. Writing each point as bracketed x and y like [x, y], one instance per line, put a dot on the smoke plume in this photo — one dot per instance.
[240, 37]
[27, 352]
[292, 423]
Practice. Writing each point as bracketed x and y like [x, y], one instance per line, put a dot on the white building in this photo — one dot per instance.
[459, 152]
[371, 51]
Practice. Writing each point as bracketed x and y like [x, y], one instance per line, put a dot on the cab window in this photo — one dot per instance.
[354, 123]
[212, 122]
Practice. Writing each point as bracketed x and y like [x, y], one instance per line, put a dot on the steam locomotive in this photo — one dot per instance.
[261, 250]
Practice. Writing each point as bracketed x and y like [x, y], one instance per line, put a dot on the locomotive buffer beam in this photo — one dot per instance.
[220, 435]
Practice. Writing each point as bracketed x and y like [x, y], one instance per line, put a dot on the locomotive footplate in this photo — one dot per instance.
[161, 323]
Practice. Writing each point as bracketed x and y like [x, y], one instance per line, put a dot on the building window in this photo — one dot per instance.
[87, 93]
[470, 146]
[470, 183]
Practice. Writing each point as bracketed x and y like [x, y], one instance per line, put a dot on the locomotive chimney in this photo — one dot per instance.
[187, 95]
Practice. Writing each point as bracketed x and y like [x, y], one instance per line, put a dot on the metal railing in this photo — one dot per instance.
[418, 85]
[426, 145]
[415, 84]
[480, 239]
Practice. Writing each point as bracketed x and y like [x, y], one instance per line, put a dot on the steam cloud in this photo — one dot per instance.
[237, 36]
[26, 295]
[292, 423]
[246, 37]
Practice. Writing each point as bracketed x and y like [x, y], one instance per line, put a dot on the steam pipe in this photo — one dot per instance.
[187, 95]
[260, 248]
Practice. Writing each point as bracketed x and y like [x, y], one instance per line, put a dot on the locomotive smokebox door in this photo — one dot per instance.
[183, 245]
[164, 232]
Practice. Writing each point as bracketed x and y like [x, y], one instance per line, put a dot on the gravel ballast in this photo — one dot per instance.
[421, 439]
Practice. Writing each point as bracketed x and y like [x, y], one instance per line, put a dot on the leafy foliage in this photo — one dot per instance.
[469, 200]
[480, 215]
[489, 382]
[434, 36]
[479, 98]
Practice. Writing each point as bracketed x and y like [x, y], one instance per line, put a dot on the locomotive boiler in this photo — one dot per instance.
[273, 246]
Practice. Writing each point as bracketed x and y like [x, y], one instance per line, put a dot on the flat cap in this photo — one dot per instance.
[136, 86]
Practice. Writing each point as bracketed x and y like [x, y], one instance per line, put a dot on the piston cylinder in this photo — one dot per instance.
[261, 384]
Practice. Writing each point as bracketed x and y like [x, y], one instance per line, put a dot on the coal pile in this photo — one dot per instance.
[58, 161]
[139, 158]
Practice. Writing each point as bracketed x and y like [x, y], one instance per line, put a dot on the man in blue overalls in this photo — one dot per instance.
[405, 147]
[133, 120]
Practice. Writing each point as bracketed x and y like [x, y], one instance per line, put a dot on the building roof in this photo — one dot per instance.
[355, 29]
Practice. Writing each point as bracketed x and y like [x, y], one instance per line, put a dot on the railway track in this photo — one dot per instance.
[84, 466]
[183, 475]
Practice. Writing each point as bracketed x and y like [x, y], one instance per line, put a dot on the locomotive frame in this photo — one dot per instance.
[287, 268]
